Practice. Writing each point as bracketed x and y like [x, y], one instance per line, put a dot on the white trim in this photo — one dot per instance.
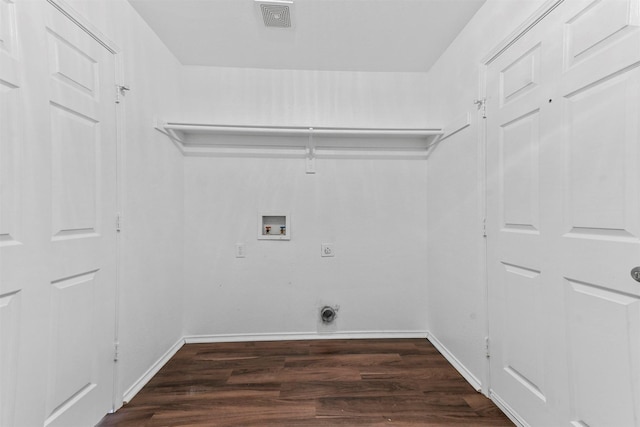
[482, 242]
[466, 373]
[120, 111]
[295, 336]
[146, 377]
[522, 29]
[85, 25]
[510, 413]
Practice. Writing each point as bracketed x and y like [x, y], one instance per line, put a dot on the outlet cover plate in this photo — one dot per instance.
[241, 250]
[327, 250]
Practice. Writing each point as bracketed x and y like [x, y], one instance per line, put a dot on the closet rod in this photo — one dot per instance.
[293, 130]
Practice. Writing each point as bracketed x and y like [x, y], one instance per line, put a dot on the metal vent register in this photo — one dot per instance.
[276, 14]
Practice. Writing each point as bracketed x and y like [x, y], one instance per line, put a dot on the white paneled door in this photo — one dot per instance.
[563, 212]
[526, 339]
[57, 223]
[12, 248]
[82, 140]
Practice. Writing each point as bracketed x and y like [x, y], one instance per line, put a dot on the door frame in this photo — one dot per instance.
[544, 10]
[88, 27]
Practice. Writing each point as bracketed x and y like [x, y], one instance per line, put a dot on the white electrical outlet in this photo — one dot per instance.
[327, 250]
[241, 250]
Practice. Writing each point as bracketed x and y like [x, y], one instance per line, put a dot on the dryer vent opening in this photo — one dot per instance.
[327, 314]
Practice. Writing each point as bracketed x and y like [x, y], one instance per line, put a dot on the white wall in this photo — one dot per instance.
[151, 260]
[304, 98]
[374, 211]
[456, 303]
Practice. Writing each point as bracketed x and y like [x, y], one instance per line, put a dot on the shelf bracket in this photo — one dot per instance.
[171, 133]
[310, 157]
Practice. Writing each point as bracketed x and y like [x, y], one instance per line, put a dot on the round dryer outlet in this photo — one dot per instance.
[327, 314]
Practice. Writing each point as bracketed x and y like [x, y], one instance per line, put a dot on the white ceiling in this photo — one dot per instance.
[337, 35]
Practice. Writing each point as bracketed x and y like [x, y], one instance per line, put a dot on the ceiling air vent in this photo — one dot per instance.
[276, 14]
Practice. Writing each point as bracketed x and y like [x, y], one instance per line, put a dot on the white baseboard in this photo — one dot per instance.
[146, 377]
[471, 379]
[200, 339]
[510, 413]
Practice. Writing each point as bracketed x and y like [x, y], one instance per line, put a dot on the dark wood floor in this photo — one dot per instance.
[309, 383]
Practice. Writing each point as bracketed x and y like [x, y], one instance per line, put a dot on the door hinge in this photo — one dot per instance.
[484, 227]
[116, 351]
[118, 222]
[482, 105]
[120, 91]
[486, 347]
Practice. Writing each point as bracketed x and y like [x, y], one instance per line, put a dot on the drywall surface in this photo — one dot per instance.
[304, 98]
[372, 211]
[456, 304]
[152, 171]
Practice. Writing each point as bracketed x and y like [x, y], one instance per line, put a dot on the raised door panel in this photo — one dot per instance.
[9, 339]
[9, 57]
[75, 174]
[604, 358]
[72, 371]
[10, 159]
[74, 72]
[523, 350]
[520, 76]
[10, 103]
[600, 39]
[596, 27]
[519, 174]
[602, 135]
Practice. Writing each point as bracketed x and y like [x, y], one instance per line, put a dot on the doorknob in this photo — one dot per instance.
[635, 273]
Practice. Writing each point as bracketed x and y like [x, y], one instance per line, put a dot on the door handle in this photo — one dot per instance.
[635, 274]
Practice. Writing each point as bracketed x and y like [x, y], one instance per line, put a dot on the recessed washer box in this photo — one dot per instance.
[274, 226]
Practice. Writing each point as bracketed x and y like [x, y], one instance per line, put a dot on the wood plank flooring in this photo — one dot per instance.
[402, 382]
